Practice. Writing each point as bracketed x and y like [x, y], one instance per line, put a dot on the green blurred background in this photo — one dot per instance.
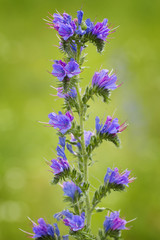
[26, 48]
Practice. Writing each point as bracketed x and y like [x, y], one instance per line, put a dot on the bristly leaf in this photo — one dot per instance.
[61, 176]
[82, 234]
[98, 139]
[91, 91]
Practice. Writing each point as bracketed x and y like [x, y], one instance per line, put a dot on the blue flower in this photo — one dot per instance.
[103, 80]
[70, 189]
[110, 127]
[101, 30]
[79, 16]
[72, 68]
[66, 30]
[43, 229]
[114, 222]
[62, 69]
[60, 152]
[62, 141]
[87, 138]
[63, 122]
[64, 25]
[113, 176]
[58, 70]
[90, 25]
[59, 165]
[75, 222]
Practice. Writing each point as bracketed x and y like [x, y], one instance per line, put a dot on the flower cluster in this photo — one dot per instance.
[68, 70]
[114, 222]
[114, 177]
[111, 126]
[46, 231]
[75, 222]
[103, 80]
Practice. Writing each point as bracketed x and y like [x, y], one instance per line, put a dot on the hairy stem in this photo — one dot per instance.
[84, 154]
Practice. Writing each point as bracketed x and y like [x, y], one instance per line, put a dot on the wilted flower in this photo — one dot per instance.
[103, 80]
[114, 222]
[110, 127]
[75, 222]
[113, 176]
[71, 189]
[59, 165]
[63, 122]
[62, 69]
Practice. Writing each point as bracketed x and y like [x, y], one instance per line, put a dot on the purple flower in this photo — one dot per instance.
[87, 137]
[101, 30]
[110, 127]
[79, 16]
[60, 152]
[72, 68]
[67, 30]
[63, 122]
[70, 189]
[62, 69]
[43, 229]
[58, 70]
[114, 222]
[90, 25]
[113, 176]
[65, 237]
[103, 80]
[59, 165]
[64, 25]
[75, 222]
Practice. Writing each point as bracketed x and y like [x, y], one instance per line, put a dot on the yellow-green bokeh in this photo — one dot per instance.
[26, 48]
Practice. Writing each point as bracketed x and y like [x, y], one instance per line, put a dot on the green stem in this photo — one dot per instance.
[84, 154]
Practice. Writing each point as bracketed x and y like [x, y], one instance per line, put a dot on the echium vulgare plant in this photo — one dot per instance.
[74, 35]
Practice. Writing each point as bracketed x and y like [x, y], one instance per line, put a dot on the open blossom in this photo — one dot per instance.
[42, 230]
[62, 69]
[113, 176]
[110, 127]
[63, 122]
[59, 165]
[101, 30]
[70, 189]
[75, 222]
[103, 80]
[114, 222]
[64, 25]
[58, 69]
